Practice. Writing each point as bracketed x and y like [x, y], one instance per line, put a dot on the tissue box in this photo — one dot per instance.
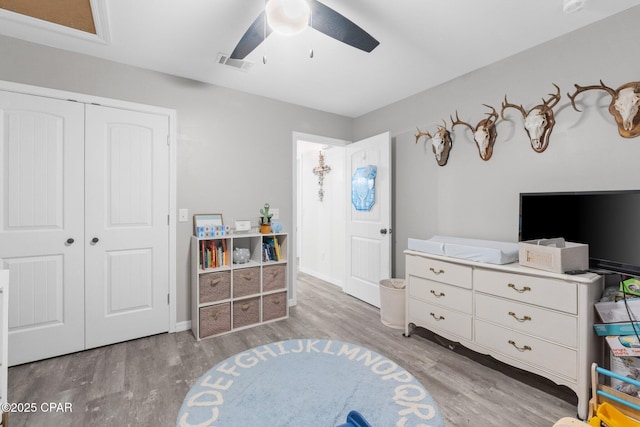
[554, 255]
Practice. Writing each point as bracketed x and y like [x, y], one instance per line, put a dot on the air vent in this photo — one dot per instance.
[238, 64]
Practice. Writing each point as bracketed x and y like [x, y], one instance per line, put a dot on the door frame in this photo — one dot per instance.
[172, 142]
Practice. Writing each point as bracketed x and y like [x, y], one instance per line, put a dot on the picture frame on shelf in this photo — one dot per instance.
[205, 225]
[242, 225]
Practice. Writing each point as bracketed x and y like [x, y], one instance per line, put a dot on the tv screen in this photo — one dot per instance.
[608, 221]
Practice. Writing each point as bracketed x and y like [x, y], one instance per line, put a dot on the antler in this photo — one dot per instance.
[493, 114]
[585, 88]
[459, 122]
[442, 128]
[420, 133]
[506, 105]
[555, 98]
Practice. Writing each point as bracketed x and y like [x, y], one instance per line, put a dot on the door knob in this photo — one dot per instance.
[95, 240]
[70, 241]
[383, 231]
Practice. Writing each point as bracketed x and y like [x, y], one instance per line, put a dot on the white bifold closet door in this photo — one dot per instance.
[42, 224]
[83, 224]
[126, 223]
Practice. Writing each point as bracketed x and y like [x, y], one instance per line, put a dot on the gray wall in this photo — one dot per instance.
[235, 150]
[232, 138]
[473, 198]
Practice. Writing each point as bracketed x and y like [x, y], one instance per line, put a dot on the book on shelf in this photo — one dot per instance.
[213, 254]
[270, 249]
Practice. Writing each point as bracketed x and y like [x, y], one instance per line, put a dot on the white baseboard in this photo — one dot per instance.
[321, 276]
[183, 326]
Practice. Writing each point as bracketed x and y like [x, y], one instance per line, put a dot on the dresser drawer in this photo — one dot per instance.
[440, 271]
[440, 293]
[532, 351]
[549, 293]
[214, 286]
[273, 277]
[215, 319]
[530, 319]
[246, 281]
[435, 317]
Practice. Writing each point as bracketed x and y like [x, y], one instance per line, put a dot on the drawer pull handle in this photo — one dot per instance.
[247, 276]
[214, 316]
[525, 348]
[519, 319]
[441, 271]
[438, 318]
[440, 295]
[525, 289]
[214, 282]
[276, 301]
[245, 307]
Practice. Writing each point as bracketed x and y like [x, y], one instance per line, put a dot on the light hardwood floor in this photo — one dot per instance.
[143, 382]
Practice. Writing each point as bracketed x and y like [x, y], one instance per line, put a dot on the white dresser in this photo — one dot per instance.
[535, 320]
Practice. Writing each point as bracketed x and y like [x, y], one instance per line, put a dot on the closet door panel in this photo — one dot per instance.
[41, 224]
[127, 200]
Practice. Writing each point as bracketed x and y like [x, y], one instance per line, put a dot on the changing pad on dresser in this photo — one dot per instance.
[493, 252]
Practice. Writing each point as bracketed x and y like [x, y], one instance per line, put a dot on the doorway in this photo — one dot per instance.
[320, 224]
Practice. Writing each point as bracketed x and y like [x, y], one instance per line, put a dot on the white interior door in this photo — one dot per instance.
[41, 224]
[127, 230]
[368, 246]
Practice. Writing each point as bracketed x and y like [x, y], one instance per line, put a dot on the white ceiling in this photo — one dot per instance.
[423, 43]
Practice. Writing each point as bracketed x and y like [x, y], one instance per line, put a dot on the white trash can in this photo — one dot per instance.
[392, 303]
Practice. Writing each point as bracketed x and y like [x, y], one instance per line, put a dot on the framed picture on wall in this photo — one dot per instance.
[206, 222]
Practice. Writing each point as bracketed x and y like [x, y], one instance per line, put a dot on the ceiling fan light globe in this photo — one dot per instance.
[288, 17]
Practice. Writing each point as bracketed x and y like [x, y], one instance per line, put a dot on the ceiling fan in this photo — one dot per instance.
[296, 15]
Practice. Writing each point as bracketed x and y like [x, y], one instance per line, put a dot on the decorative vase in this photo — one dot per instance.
[265, 228]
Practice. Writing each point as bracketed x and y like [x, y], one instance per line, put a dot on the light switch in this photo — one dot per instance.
[183, 215]
[275, 212]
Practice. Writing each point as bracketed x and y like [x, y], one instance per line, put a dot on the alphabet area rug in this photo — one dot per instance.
[307, 382]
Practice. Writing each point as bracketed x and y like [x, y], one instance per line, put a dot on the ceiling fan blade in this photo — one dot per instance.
[333, 24]
[252, 38]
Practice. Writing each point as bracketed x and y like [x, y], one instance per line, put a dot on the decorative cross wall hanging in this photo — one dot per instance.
[321, 170]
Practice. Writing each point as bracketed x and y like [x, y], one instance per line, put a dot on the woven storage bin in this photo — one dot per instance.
[274, 306]
[215, 286]
[246, 281]
[215, 319]
[246, 312]
[273, 277]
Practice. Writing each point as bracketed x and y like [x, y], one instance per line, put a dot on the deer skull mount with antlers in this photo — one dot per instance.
[440, 143]
[539, 121]
[484, 134]
[624, 106]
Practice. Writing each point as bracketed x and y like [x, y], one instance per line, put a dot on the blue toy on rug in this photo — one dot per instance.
[355, 419]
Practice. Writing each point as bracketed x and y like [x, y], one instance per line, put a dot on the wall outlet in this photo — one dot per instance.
[183, 215]
[275, 212]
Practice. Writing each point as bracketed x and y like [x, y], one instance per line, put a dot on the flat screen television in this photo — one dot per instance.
[608, 221]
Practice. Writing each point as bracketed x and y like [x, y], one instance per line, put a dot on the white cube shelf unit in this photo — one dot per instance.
[228, 296]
